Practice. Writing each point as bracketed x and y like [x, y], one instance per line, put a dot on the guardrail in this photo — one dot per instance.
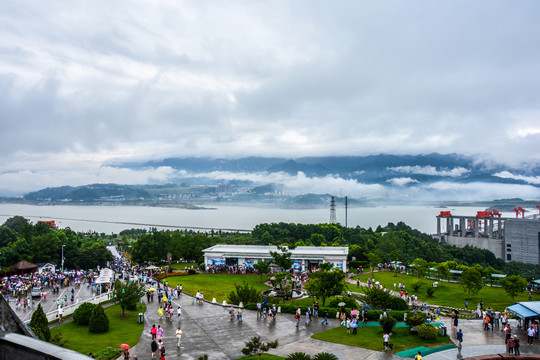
[70, 309]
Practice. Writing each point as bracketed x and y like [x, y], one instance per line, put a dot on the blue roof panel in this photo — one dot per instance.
[522, 311]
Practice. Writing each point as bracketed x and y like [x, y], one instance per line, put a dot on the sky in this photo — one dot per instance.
[87, 84]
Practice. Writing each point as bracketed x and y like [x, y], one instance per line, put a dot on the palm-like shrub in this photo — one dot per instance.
[298, 356]
[325, 356]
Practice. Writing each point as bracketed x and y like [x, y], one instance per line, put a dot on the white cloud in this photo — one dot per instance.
[429, 170]
[401, 181]
[534, 180]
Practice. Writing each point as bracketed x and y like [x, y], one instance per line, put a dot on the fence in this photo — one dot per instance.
[69, 309]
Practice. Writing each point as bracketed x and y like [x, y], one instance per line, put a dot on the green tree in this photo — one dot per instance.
[243, 294]
[39, 324]
[471, 280]
[283, 257]
[325, 282]
[99, 322]
[513, 285]
[443, 270]
[262, 267]
[81, 315]
[256, 347]
[127, 295]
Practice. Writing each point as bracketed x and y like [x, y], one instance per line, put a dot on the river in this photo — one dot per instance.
[113, 219]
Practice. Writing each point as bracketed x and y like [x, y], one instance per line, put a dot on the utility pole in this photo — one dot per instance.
[333, 211]
[63, 258]
[346, 208]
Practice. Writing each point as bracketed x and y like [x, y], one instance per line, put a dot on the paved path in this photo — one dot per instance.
[207, 330]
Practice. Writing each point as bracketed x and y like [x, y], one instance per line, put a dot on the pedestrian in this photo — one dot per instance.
[179, 312]
[297, 318]
[511, 345]
[160, 312]
[316, 309]
[159, 332]
[418, 356]
[459, 337]
[386, 341]
[325, 315]
[163, 353]
[154, 347]
[126, 354]
[308, 318]
[239, 315]
[466, 304]
[516, 345]
[178, 336]
[153, 332]
[231, 312]
[530, 335]
[60, 314]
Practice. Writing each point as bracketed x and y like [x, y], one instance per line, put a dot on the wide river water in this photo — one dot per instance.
[113, 219]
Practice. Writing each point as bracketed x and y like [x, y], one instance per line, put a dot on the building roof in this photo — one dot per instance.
[261, 250]
[24, 265]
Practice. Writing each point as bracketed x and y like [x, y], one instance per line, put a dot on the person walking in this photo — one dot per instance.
[459, 337]
[297, 318]
[418, 356]
[178, 336]
[154, 347]
[239, 315]
[386, 341]
[163, 353]
[160, 312]
[325, 314]
[153, 332]
[516, 345]
[530, 335]
[159, 332]
[179, 312]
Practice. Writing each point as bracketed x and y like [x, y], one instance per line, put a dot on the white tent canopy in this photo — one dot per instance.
[105, 276]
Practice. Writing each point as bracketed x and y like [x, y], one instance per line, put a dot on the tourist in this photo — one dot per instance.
[511, 345]
[153, 332]
[178, 336]
[516, 345]
[162, 352]
[179, 312]
[60, 314]
[316, 309]
[386, 341]
[297, 318]
[154, 347]
[418, 356]
[126, 354]
[530, 335]
[231, 312]
[459, 337]
[159, 332]
[239, 315]
[160, 312]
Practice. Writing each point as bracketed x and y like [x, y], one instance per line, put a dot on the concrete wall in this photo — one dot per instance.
[522, 238]
[493, 245]
[9, 321]
[16, 346]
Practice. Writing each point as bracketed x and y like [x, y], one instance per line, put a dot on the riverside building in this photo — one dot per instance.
[305, 258]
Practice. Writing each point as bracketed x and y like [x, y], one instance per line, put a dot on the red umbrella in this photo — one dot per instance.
[125, 346]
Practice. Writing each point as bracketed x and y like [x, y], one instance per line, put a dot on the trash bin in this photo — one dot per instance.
[443, 330]
[141, 318]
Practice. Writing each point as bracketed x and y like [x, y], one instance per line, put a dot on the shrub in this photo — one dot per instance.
[298, 356]
[397, 303]
[414, 320]
[99, 323]
[427, 332]
[192, 272]
[430, 291]
[387, 323]
[39, 324]
[350, 302]
[325, 356]
[244, 294]
[81, 315]
[417, 284]
[108, 354]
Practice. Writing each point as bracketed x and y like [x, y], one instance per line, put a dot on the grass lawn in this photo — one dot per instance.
[371, 337]
[122, 330]
[215, 285]
[184, 266]
[449, 294]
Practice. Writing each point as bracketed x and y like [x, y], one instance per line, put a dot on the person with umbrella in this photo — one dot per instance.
[126, 351]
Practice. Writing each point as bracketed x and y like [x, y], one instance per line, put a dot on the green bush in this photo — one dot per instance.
[39, 324]
[350, 302]
[81, 315]
[192, 272]
[387, 323]
[427, 332]
[430, 291]
[417, 284]
[99, 322]
[298, 356]
[398, 304]
[108, 354]
[325, 356]
[414, 320]
[244, 294]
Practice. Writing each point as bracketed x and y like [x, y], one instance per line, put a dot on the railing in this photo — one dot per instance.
[70, 309]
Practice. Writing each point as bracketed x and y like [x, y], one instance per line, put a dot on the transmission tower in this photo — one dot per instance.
[346, 208]
[333, 211]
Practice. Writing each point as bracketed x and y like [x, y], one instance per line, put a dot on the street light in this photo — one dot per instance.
[63, 258]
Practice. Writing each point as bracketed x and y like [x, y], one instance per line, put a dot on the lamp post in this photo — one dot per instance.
[63, 258]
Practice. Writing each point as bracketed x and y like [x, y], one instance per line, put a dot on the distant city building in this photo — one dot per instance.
[511, 239]
[304, 258]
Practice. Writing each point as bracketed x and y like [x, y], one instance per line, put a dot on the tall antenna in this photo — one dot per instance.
[333, 211]
[346, 208]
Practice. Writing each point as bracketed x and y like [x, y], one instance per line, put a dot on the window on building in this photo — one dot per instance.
[509, 257]
[508, 245]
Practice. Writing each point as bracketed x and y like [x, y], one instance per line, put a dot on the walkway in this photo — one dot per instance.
[207, 330]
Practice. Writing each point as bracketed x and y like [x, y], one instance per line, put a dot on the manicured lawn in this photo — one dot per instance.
[215, 285]
[122, 330]
[371, 337]
[449, 294]
[184, 265]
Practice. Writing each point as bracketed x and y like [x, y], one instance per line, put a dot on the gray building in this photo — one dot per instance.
[511, 239]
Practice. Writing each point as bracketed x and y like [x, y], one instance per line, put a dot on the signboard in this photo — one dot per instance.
[213, 262]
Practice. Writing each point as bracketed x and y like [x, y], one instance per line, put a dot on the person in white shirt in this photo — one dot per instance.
[179, 312]
[178, 336]
[386, 339]
[530, 335]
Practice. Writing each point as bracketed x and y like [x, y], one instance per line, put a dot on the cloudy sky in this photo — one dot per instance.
[85, 84]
